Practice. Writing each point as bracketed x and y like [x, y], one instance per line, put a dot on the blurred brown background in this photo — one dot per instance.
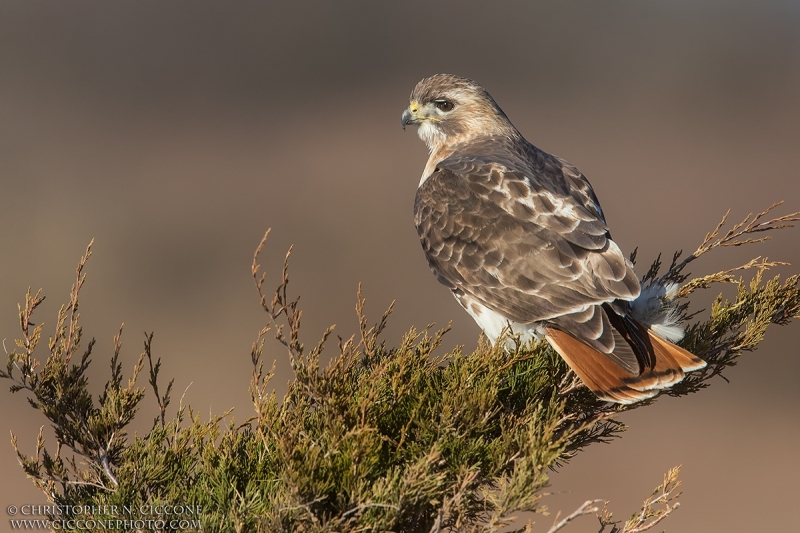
[175, 133]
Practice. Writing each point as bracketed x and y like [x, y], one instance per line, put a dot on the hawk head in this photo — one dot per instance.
[450, 110]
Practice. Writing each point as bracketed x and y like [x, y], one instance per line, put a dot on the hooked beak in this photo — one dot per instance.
[411, 115]
[408, 118]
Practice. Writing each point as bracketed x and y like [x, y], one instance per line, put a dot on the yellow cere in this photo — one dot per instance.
[414, 107]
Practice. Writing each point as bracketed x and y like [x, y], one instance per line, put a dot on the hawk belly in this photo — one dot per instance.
[494, 324]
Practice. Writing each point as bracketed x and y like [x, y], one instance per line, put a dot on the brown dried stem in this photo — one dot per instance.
[736, 236]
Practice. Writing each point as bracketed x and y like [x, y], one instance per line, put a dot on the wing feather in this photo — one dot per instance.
[529, 243]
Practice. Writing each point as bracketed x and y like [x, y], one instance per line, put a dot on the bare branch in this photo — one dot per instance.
[663, 495]
[588, 507]
[733, 237]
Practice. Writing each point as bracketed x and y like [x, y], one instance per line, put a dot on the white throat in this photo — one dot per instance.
[434, 139]
[430, 135]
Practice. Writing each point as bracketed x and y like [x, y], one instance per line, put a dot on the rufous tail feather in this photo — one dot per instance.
[666, 365]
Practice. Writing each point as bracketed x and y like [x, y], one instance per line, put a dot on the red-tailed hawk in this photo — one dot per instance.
[519, 237]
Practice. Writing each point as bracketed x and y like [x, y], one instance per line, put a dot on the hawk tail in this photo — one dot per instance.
[664, 365]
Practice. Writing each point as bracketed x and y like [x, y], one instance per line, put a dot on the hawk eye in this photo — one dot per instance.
[444, 105]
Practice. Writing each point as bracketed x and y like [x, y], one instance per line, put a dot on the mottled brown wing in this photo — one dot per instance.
[536, 169]
[530, 244]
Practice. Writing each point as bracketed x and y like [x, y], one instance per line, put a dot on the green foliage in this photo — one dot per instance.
[381, 438]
